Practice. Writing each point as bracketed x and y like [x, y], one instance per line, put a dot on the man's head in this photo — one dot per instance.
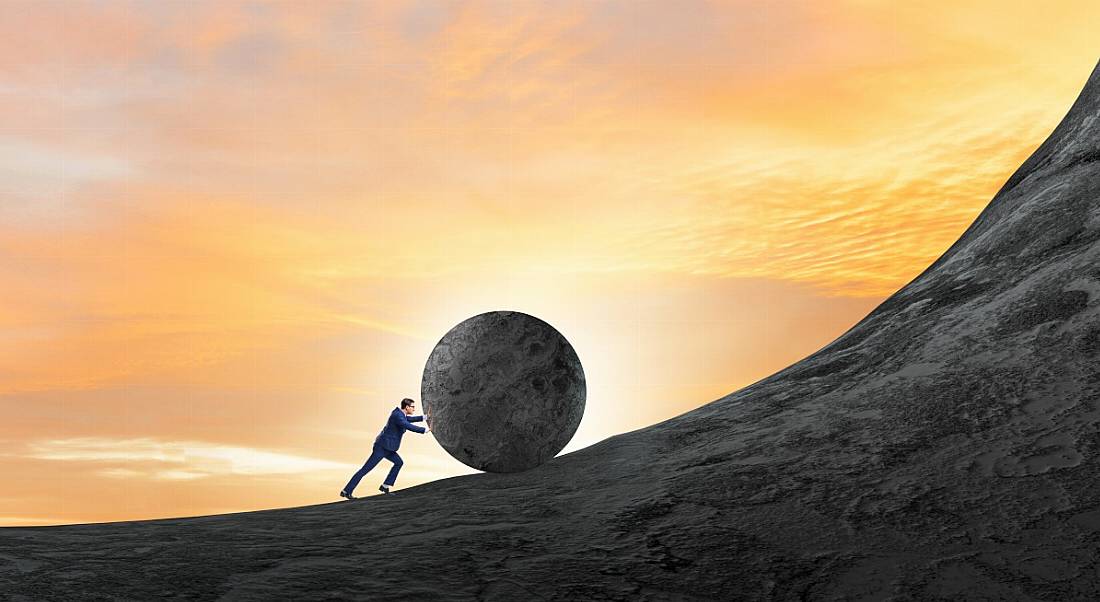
[408, 406]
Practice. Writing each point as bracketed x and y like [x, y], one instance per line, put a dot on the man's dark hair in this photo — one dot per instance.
[406, 403]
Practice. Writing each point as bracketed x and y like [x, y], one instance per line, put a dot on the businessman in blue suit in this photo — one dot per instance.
[385, 446]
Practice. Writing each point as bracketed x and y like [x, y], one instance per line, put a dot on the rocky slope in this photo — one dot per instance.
[947, 446]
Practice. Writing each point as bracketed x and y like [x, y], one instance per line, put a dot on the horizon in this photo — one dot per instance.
[232, 233]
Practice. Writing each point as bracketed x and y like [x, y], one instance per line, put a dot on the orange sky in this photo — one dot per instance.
[231, 233]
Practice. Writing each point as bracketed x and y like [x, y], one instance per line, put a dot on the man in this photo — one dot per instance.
[385, 446]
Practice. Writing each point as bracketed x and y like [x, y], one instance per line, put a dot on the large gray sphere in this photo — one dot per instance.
[505, 391]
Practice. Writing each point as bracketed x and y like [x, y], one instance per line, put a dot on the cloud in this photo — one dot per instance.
[157, 459]
[34, 521]
[28, 159]
[118, 473]
[171, 290]
[859, 219]
[38, 182]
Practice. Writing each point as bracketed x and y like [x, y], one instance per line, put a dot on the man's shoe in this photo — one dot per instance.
[347, 495]
[384, 488]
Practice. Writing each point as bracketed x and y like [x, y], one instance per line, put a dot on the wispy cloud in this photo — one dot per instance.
[175, 460]
[34, 521]
[857, 221]
[27, 159]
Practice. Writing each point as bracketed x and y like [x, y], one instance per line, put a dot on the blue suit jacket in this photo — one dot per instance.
[390, 437]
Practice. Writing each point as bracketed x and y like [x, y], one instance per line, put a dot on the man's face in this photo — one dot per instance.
[409, 409]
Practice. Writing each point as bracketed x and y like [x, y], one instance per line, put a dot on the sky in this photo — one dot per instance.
[231, 233]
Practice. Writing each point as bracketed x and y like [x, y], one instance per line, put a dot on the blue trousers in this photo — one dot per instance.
[375, 457]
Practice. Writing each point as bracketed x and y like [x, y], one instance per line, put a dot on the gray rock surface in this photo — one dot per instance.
[505, 391]
[946, 447]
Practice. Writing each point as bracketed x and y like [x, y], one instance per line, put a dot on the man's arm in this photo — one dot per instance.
[415, 418]
[405, 422]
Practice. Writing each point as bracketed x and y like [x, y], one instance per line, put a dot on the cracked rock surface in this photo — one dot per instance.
[946, 447]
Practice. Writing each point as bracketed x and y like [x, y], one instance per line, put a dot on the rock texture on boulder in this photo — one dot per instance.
[946, 447]
[505, 391]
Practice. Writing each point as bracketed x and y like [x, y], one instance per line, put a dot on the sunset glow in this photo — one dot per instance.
[231, 233]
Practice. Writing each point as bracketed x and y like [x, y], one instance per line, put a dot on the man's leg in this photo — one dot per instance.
[375, 457]
[397, 463]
